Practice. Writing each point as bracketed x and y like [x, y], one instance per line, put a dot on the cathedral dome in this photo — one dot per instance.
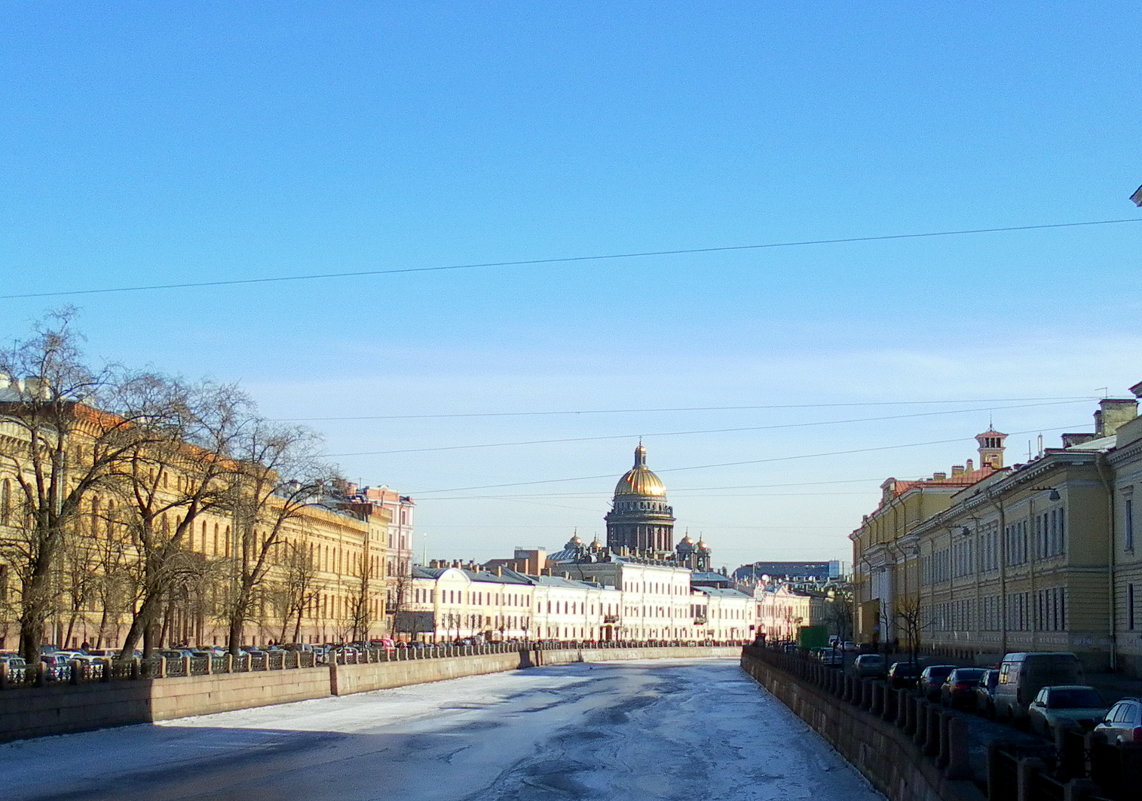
[640, 480]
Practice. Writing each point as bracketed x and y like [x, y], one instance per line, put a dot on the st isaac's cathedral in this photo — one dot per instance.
[640, 526]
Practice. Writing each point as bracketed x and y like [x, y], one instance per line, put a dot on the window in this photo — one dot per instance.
[1130, 606]
[1128, 510]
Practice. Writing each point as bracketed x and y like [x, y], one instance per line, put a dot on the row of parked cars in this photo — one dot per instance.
[57, 665]
[1044, 690]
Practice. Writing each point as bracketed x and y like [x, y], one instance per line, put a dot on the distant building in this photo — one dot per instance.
[640, 522]
[819, 571]
[638, 586]
[883, 572]
[1040, 556]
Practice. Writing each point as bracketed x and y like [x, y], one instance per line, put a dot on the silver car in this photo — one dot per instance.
[1065, 706]
[1123, 723]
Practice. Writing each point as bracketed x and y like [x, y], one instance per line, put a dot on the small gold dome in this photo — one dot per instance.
[640, 480]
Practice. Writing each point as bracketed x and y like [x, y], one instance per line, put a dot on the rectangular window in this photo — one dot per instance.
[1128, 508]
[1130, 606]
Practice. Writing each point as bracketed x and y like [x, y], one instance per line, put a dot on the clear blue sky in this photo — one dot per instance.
[166, 143]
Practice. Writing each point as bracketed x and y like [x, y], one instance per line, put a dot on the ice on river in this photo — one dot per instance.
[679, 729]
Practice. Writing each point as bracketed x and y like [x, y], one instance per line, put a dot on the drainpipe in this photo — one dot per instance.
[1101, 465]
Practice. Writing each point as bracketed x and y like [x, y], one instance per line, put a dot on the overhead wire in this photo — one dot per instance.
[733, 430]
[741, 463]
[557, 260]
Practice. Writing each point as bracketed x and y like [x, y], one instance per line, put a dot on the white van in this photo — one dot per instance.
[1022, 675]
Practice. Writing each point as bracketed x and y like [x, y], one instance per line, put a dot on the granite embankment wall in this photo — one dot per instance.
[348, 679]
[894, 760]
[39, 711]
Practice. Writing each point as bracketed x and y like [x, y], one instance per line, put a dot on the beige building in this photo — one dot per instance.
[1031, 557]
[782, 610]
[1124, 553]
[324, 571]
[885, 576]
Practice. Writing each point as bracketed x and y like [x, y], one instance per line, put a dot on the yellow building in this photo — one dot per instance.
[1035, 557]
[322, 577]
[886, 577]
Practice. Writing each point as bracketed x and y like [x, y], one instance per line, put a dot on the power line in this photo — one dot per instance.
[742, 463]
[738, 429]
[559, 260]
[674, 491]
[544, 413]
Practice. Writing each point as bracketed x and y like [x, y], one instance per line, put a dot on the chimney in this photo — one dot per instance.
[939, 476]
[957, 470]
[970, 466]
[499, 570]
[1113, 413]
[1070, 440]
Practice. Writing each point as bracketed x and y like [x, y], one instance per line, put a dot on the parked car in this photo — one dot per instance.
[17, 667]
[1065, 706]
[903, 674]
[958, 689]
[985, 693]
[829, 656]
[869, 666]
[58, 666]
[92, 666]
[931, 679]
[1023, 674]
[1123, 723]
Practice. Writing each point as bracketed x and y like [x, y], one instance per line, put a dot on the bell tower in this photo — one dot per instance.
[991, 448]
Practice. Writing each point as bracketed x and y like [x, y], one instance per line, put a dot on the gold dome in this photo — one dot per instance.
[640, 480]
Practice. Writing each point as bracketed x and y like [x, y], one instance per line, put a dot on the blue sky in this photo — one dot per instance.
[154, 144]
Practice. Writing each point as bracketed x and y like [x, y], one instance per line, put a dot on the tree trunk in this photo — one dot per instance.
[140, 627]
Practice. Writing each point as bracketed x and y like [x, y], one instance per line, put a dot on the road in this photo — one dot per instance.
[685, 729]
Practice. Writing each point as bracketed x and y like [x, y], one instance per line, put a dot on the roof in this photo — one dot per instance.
[559, 581]
[1100, 444]
[722, 592]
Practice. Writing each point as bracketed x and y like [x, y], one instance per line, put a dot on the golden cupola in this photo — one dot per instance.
[640, 479]
[641, 521]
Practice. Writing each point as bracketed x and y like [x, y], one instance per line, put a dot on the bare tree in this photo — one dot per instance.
[839, 611]
[911, 619]
[297, 586]
[278, 476]
[360, 608]
[173, 479]
[68, 427]
[80, 577]
[398, 598]
[116, 583]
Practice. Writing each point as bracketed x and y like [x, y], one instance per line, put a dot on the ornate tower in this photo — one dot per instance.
[640, 520]
[991, 448]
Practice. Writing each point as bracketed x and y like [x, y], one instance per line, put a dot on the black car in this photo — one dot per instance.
[903, 675]
[985, 693]
[931, 679]
[958, 689]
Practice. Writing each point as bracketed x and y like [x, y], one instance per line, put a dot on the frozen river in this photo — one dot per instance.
[693, 730]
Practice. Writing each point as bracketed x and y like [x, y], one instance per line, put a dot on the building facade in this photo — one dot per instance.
[1033, 557]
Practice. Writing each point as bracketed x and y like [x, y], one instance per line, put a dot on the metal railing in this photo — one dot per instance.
[90, 670]
[1077, 765]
